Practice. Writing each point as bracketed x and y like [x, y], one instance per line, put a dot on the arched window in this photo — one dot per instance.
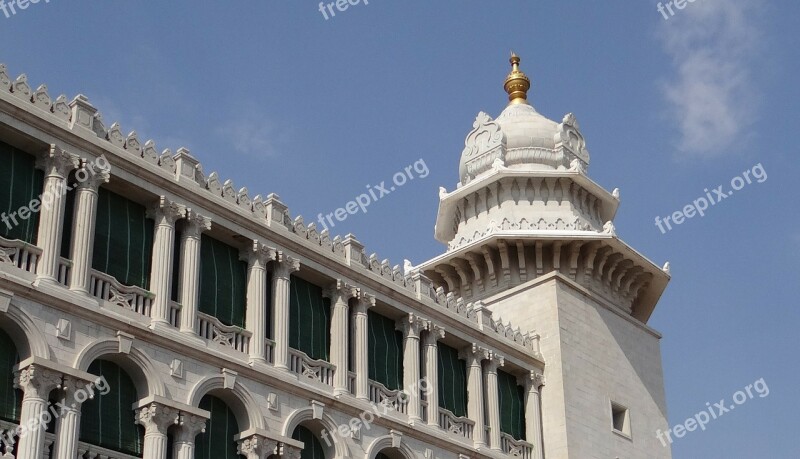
[10, 398]
[108, 420]
[217, 441]
[312, 448]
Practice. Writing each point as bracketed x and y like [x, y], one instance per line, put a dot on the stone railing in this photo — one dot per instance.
[351, 382]
[107, 288]
[306, 367]
[269, 351]
[175, 314]
[455, 425]
[64, 268]
[87, 451]
[211, 329]
[20, 254]
[516, 448]
[381, 395]
[7, 430]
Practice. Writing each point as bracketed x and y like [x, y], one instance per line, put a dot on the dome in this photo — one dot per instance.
[524, 127]
[521, 138]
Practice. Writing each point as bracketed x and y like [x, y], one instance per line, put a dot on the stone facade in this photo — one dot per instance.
[529, 240]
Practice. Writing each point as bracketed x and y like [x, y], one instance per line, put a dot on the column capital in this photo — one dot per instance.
[90, 178]
[285, 265]
[166, 211]
[474, 354]
[532, 380]
[191, 426]
[435, 333]
[494, 361]
[77, 390]
[289, 451]
[411, 325]
[258, 253]
[256, 447]
[37, 381]
[365, 301]
[57, 162]
[340, 291]
[156, 417]
[196, 223]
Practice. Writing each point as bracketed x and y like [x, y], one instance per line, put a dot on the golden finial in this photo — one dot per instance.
[517, 83]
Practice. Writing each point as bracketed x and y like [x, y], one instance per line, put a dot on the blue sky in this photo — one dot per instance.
[275, 97]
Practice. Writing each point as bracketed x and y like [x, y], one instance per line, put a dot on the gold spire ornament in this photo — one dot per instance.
[517, 83]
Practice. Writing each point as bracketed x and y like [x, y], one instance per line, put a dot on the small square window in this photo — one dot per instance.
[620, 419]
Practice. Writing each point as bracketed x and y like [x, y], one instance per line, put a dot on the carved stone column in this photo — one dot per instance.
[289, 452]
[57, 165]
[36, 383]
[431, 346]
[284, 267]
[493, 399]
[361, 331]
[340, 293]
[190, 426]
[165, 213]
[189, 281]
[533, 413]
[256, 447]
[411, 326]
[82, 244]
[156, 419]
[257, 258]
[475, 355]
[75, 392]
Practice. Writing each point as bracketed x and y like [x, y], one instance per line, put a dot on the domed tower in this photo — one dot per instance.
[531, 237]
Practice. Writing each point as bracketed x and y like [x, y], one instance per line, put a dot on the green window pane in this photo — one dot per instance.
[309, 319]
[20, 182]
[108, 420]
[512, 405]
[10, 398]
[312, 448]
[268, 325]
[69, 215]
[176, 266]
[123, 241]
[452, 381]
[217, 441]
[385, 351]
[223, 282]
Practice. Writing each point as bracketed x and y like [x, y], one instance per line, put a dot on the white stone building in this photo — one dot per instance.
[150, 310]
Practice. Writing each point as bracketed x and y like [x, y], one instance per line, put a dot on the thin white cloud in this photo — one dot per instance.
[711, 98]
[255, 135]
